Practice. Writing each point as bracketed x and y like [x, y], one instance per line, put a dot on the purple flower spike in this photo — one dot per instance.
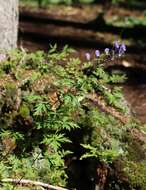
[97, 53]
[106, 51]
[123, 46]
[116, 45]
[88, 56]
[122, 49]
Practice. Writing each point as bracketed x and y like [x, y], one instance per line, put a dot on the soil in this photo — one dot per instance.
[76, 14]
[136, 96]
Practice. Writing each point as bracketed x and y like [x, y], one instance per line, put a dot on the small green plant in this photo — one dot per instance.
[117, 1]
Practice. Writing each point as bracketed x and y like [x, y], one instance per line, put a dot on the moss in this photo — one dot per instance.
[136, 172]
[135, 151]
[24, 111]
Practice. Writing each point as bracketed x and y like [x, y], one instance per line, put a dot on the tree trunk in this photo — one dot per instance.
[8, 24]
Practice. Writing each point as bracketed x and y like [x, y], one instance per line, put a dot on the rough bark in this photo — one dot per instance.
[8, 24]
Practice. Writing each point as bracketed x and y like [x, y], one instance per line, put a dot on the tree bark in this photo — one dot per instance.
[8, 24]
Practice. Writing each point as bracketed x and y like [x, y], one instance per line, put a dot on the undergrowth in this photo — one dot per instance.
[53, 107]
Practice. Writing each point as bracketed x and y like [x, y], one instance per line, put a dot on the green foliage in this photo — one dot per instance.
[117, 1]
[136, 172]
[45, 3]
[47, 167]
[129, 2]
[106, 156]
[144, 128]
[45, 103]
[128, 21]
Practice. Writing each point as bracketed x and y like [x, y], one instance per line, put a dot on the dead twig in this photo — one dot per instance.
[30, 182]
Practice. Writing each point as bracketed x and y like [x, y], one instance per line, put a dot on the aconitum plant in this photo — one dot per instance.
[116, 51]
[107, 51]
[97, 53]
[119, 49]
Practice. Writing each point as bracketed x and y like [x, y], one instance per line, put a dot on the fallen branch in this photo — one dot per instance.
[30, 182]
[138, 135]
[108, 109]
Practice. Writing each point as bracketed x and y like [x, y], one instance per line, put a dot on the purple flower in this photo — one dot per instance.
[116, 45]
[106, 51]
[119, 49]
[97, 53]
[122, 49]
[123, 46]
[88, 56]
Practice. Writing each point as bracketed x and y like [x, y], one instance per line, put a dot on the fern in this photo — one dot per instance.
[41, 108]
[55, 140]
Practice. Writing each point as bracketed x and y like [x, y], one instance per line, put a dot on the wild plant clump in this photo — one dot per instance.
[54, 107]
